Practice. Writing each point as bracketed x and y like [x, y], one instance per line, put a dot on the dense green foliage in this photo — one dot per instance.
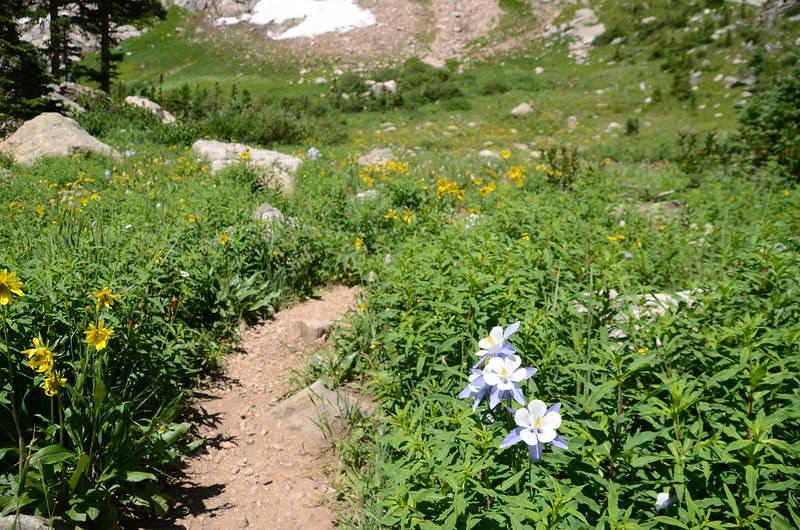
[180, 248]
[699, 402]
[771, 123]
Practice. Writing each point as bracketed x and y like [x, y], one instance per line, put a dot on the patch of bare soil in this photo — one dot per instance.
[252, 472]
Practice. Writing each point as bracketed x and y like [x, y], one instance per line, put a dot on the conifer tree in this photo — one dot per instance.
[23, 78]
[101, 17]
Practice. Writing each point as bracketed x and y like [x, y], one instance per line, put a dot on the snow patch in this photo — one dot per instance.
[316, 17]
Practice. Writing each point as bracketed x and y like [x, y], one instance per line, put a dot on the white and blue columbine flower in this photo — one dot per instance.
[664, 500]
[537, 426]
[496, 344]
[502, 375]
[476, 388]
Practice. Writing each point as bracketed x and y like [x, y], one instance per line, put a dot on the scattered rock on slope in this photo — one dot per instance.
[522, 109]
[222, 154]
[51, 133]
[151, 106]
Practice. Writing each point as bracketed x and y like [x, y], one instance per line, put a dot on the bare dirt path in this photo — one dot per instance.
[252, 472]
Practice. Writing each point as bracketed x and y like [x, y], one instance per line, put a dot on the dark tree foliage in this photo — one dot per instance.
[23, 78]
[102, 16]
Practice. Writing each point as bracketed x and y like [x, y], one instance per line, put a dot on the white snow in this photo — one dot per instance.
[317, 16]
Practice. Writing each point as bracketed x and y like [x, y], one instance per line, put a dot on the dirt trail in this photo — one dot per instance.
[252, 473]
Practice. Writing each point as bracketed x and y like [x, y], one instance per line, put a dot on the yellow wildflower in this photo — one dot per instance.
[191, 218]
[391, 215]
[40, 209]
[408, 216]
[489, 188]
[616, 239]
[505, 154]
[40, 358]
[105, 297]
[785, 193]
[526, 236]
[246, 154]
[9, 284]
[661, 228]
[97, 337]
[517, 175]
[53, 384]
[362, 306]
[642, 351]
[224, 239]
[359, 243]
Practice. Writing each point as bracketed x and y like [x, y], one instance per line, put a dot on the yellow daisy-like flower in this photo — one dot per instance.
[391, 215]
[616, 239]
[192, 218]
[359, 243]
[408, 216]
[9, 284]
[505, 154]
[40, 358]
[785, 193]
[105, 297]
[97, 337]
[224, 239]
[53, 384]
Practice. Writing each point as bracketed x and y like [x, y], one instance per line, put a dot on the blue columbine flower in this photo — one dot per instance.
[476, 388]
[503, 374]
[496, 344]
[537, 426]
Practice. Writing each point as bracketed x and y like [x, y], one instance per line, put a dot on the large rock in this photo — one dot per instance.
[23, 522]
[583, 30]
[314, 411]
[52, 134]
[222, 154]
[377, 156]
[151, 106]
[623, 309]
[268, 213]
[389, 87]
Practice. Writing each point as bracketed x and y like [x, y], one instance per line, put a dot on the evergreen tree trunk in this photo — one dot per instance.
[55, 40]
[105, 45]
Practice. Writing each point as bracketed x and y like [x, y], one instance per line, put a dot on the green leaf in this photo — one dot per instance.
[751, 478]
[138, 476]
[52, 454]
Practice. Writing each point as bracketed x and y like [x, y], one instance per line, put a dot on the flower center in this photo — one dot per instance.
[491, 340]
[504, 373]
[537, 422]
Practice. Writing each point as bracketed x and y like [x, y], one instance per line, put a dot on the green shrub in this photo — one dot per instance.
[770, 123]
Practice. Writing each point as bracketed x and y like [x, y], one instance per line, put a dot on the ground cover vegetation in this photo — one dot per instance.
[122, 281]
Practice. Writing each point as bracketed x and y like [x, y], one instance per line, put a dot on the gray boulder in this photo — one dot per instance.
[51, 134]
[23, 522]
[151, 106]
[222, 155]
[268, 213]
[377, 156]
[523, 109]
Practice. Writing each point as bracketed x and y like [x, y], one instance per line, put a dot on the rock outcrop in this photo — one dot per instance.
[51, 133]
[222, 154]
[151, 106]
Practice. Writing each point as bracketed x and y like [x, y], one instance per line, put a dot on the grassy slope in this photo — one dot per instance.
[605, 90]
